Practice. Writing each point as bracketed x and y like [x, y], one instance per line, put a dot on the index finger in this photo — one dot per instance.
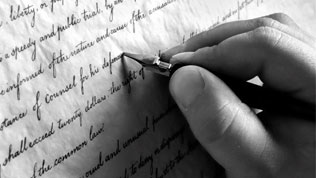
[222, 32]
[282, 62]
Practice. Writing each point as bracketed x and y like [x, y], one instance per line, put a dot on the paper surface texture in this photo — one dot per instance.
[70, 107]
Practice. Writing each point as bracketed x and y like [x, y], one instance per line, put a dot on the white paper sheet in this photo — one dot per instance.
[71, 108]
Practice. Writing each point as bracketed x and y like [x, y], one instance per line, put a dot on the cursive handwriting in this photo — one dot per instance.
[26, 145]
[77, 115]
[21, 81]
[18, 12]
[51, 97]
[9, 122]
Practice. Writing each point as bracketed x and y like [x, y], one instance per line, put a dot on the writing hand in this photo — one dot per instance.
[246, 144]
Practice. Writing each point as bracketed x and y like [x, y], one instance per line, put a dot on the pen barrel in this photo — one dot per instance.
[270, 100]
[264, 98]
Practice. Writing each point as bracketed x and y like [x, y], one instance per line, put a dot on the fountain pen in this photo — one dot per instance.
[255, 96]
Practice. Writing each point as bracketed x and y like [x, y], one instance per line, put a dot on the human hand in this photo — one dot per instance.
[246, 144]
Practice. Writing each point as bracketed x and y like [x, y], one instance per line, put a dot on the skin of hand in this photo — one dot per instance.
[246, 144]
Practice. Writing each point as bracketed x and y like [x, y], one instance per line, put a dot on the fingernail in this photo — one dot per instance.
[166, 55]
[181, 57]
[186, 85]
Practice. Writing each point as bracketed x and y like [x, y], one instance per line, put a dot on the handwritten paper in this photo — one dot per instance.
[71, 107]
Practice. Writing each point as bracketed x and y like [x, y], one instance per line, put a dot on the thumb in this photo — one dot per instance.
[226, 127]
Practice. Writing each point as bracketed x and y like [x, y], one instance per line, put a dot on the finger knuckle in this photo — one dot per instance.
[265, 22]
[217, 51]
[266, 36]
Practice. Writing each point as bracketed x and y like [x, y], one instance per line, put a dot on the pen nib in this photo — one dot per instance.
[143, 59]
[151, 62]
